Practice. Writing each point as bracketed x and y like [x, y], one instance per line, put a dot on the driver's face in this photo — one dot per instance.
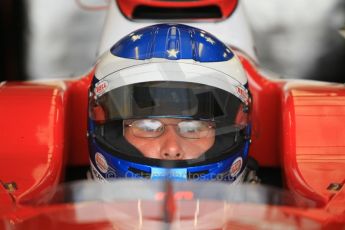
[170, 145]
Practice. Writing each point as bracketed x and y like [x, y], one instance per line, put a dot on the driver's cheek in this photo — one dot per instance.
[196, 147]
[149, 147]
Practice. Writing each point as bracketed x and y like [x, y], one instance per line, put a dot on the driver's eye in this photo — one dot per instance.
[147, 128]
[149, 125]
[192, 126]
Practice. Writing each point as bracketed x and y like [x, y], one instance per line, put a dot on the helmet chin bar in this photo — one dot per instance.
[241, 178]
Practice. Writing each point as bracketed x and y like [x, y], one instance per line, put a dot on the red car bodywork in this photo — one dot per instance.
[128, 7]
[296, 125]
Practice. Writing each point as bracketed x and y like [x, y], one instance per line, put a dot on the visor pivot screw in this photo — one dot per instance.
[334, 187]
[11, 187]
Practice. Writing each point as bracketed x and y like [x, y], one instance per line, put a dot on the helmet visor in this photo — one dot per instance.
[170, 99]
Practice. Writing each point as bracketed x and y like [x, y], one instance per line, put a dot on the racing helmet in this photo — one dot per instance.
[162, 72]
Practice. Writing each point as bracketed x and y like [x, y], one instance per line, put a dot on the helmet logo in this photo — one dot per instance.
[242, 93]
[101, 163]
[135, 37]
[101, 87]
[172, 53]
[236, 166]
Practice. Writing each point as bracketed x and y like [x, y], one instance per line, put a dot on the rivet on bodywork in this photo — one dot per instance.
[334, 187]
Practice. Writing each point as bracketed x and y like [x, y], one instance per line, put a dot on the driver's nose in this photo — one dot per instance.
[171, 156]
[171, 148]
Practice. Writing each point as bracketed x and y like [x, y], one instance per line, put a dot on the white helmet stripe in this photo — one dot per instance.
[172, 71]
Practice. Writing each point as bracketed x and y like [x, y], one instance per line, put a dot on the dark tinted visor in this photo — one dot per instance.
[169, 99]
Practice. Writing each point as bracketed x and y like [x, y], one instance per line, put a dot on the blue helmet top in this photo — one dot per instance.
[172, 42]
